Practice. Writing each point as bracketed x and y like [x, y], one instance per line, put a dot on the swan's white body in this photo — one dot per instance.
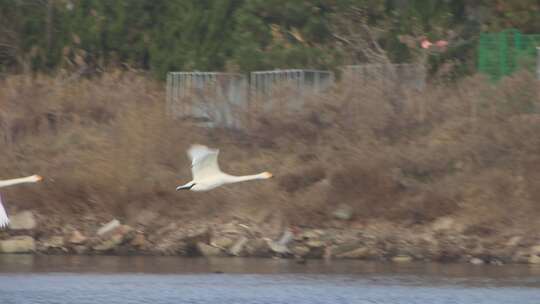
[206, 172]
[4, 220]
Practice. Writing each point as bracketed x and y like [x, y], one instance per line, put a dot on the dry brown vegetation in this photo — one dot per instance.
[470, 150]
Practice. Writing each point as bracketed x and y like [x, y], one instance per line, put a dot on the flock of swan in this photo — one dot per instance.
[204, 167]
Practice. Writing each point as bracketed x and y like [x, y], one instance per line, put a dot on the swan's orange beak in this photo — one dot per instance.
[267, 175]
[39, 178]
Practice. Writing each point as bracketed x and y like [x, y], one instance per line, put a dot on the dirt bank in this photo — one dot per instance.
[450, 173]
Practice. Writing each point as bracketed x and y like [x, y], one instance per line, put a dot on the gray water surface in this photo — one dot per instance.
[156, 280]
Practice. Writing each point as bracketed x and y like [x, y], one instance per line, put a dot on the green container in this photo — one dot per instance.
[501, 54]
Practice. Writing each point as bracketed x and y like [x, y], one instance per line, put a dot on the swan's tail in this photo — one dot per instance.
[187, 186]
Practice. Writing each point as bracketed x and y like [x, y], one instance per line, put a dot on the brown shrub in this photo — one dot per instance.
[107, 148]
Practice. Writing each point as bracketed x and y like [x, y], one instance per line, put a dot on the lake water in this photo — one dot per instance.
[156, 280]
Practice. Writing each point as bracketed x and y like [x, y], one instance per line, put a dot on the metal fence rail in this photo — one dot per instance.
[226, 99]
[212, 98]
[288, 88]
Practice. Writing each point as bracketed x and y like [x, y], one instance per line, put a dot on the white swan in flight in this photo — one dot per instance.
[206, 172]
[4, 220]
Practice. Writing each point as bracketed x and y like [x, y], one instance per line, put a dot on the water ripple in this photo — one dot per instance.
[150, 280]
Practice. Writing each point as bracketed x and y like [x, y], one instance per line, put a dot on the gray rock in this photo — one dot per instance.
[110, 226]
[496, 262]
[118, 236]
[56, 241]
[315, 243]
[402, 258]
[170, 247]
[358, 253]
[476, 261]
[126, 232]
[534, 259]
[201, 234]
[447, 223]
[514, 241]
[222, 242]
[535, 249]
[80, 249]
[343, 212]
[300, 250]
[257, 248]
[534, 255]
[521, 256]
[230, 228]
[139, 241]
[238, 246]
[109, 244]
[18, 244]
[77, 238]
[442, 223]
[346, 247]
[310, 234]
[208, 251]
[24, 220]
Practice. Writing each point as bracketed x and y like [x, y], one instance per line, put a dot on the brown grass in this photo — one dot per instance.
[107, 148]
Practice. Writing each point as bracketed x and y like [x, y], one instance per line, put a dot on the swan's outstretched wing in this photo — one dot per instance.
[204, 162]
[4, 221]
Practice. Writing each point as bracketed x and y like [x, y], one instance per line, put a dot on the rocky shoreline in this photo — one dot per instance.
[442, 241]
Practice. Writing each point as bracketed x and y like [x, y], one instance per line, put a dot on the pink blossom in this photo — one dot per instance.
[426, 44]
[441, 43]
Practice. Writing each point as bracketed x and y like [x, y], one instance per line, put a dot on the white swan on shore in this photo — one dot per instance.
[206, 172]
[4, 220]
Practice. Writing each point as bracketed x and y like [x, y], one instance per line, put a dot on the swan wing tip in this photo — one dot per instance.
[197, 146]
[197, 151]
